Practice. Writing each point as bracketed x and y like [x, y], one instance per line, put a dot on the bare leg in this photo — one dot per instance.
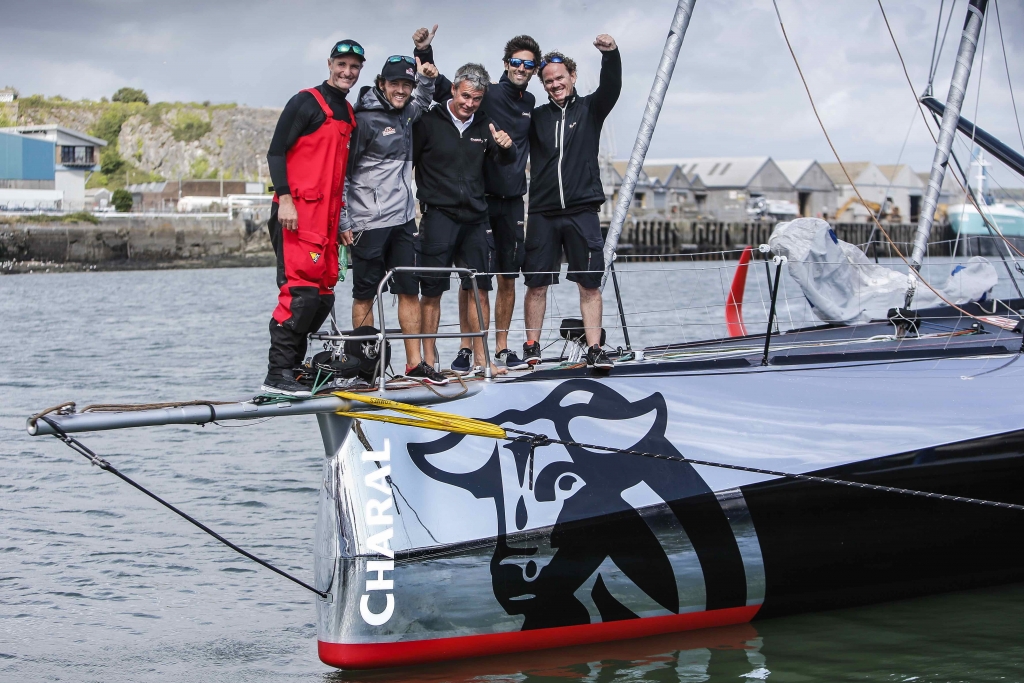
[591, 307]
[464, 317]
[430, 316]
[409, 320]
[362, 312]
[473, 325]
[504, 303]
[534, 306]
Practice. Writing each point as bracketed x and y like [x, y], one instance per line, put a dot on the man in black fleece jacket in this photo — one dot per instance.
[566, 193]
[510, 105]
[450, 143]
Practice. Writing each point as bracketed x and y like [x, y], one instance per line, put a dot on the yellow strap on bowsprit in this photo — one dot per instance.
[424, 418]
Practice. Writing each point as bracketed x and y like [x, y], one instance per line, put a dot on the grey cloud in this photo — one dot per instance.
[735, 92]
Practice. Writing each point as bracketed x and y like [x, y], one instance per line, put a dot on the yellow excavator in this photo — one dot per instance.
[885, 212]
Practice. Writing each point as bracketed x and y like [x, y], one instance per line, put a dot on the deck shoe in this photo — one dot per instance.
[463, 362]
[531, 353]
[427, 374]
[509, 359]
[597, 358]
[282, 382]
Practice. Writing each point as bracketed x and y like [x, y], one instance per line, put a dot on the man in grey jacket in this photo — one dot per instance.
[379, 218]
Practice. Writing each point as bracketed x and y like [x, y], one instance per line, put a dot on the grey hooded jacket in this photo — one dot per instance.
[378, 186]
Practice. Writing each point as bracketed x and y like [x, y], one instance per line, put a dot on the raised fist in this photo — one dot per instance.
[604, 42]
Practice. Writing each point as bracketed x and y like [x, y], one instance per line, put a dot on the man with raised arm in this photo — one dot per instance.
[566, 194]
[308, 157]
[380, 210]
[510, 105]
[451, 143]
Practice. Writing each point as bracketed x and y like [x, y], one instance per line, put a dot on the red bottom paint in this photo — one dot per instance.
[408, 653]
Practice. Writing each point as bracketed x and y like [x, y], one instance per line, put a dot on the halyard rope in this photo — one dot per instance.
[913, 271]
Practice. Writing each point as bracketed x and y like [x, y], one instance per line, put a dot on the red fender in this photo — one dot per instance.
[734, 302]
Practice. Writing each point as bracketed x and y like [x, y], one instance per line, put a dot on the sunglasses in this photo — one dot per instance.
[400, 58]
[553, 60]
[515, 63]
[344, 48]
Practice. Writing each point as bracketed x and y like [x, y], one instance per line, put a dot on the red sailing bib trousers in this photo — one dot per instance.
[307, 258]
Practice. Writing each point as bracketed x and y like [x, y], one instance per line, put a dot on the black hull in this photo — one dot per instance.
[828, 546]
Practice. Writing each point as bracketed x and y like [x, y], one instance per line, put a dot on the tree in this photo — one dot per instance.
[130, 95]
[122, 200]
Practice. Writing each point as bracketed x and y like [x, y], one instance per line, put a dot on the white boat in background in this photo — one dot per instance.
[971, 235]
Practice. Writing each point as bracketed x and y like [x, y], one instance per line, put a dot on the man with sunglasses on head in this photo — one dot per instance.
[451, 144]
[308, 157]
[510, 105]
[379, 218]
[566, 194]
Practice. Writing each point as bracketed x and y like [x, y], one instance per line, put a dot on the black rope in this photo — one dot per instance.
[82, 449]
[541, 440]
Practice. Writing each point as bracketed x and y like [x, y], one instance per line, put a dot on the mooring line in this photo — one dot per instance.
[84, 450]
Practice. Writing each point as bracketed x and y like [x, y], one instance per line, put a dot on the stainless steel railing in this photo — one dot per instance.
[384, 335]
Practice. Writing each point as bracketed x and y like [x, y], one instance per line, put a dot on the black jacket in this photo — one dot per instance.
[511, 109]
[564, 144]
[450, 165]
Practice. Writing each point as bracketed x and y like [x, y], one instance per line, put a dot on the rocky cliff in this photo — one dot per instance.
[164, 140]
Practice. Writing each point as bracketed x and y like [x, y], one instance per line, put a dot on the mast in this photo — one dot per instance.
[680, 22]
[947, 130]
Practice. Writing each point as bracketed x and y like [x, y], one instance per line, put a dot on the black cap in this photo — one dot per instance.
[348, 47]
[399, 68]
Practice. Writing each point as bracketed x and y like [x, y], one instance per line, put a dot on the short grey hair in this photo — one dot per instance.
[474, 74]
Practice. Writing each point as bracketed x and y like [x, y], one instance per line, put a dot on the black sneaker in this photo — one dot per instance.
[597, 358]
[463, 362]
[427, 374]
[531, 353]
[282, 382]
[509, 359]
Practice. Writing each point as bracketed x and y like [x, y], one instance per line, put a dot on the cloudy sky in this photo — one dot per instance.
[735, 91]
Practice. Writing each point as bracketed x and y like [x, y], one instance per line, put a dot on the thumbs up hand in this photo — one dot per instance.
[501, 137]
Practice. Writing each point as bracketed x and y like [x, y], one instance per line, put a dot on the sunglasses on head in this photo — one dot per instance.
[552, 60]
[344, 48]
[401, 58]
[515, 63]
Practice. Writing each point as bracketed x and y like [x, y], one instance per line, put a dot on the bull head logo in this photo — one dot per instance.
[582, 497]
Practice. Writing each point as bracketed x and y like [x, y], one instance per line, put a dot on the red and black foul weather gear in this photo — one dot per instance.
[307, 258]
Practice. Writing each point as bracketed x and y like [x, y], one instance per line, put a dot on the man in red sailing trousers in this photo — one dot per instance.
[307, 158]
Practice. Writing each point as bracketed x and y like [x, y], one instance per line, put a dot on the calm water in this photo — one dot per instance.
[97, 583]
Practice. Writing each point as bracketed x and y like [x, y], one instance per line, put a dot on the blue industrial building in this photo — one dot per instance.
[25, 158]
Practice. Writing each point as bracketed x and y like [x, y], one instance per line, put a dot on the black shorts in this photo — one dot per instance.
[508, 227]
[443, 242]
[578, 235]
[375, 252]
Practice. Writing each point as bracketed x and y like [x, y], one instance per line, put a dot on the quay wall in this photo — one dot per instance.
[667, 239]
[135, 241]
[147, 241]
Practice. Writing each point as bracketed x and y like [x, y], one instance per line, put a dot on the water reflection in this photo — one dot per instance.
[732, 652]
[967, 636]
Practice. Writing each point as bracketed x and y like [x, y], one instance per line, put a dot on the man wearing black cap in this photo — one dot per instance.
[380, 209]
[307, 159]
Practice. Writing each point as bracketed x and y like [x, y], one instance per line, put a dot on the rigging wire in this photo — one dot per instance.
[80, 448]
[1009, 83]
[913, 271]
[920, 106]
[938, 55]
[935, 41]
